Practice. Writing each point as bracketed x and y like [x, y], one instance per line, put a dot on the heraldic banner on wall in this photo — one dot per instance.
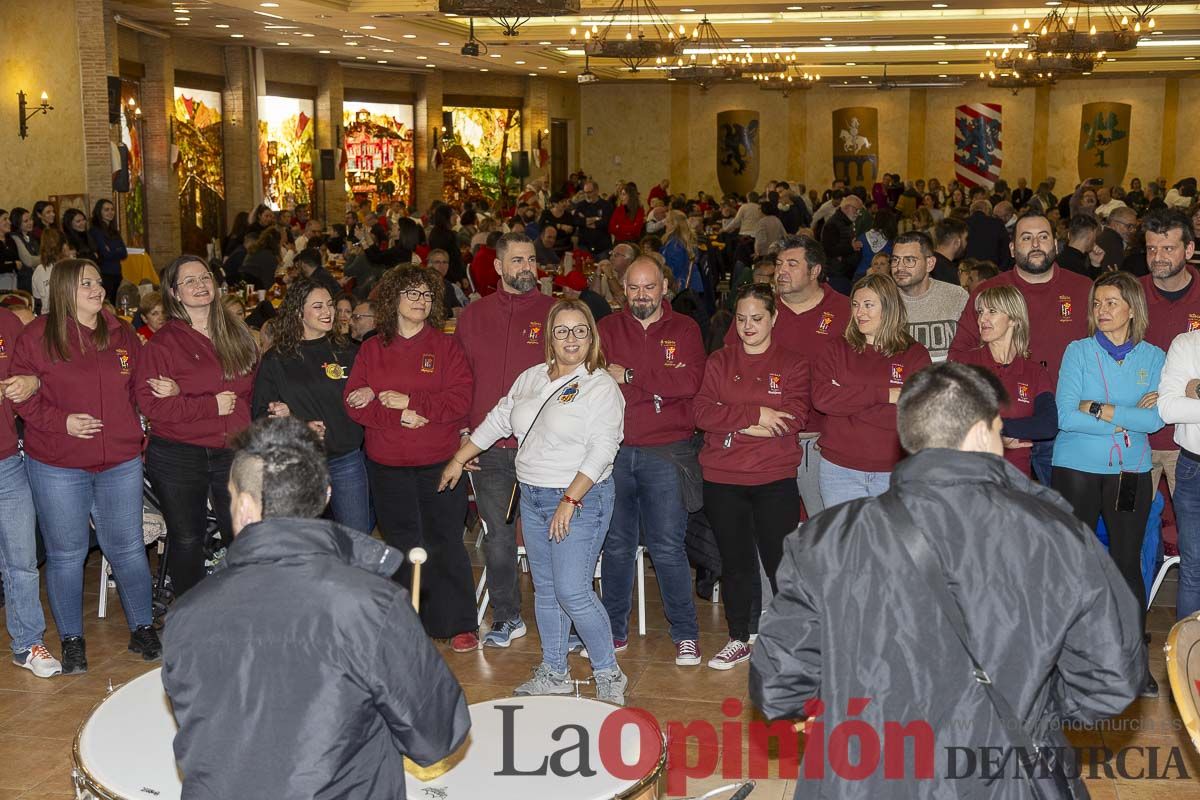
[856, 145]
[737, 151]
[1104, 142]
[978, 153]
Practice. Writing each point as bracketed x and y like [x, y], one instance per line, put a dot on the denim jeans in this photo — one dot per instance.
[563, 571]
[840, 484]
[350, 495]
[649, 500]
[1041, 456]
[64, 499]
[1187, 517]
[18, 557]
[493, 489]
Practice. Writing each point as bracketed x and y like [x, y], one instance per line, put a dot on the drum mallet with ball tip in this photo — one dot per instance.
[417, 557]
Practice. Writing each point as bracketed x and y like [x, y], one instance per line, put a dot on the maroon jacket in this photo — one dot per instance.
[431, 369]
[10, 331]
[1168, 319]
[502, 336]
[667, 360]
[852, 390]
[93, 382]
[191, 417]
[735, 385]
[1024, 380]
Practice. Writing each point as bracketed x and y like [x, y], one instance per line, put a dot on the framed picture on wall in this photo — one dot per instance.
[64, 201]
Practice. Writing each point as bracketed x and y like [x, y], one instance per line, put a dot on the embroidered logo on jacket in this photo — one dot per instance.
[774, 383]
[1064, 308]
[1022, 392]
[668, 346]
[123, 360]
[427, 363]
[334, 371]
[535, 333]
[826, 321]
[3, 349]
[898, 373]
[1143, 378]
[1193, 322]
[569, 393]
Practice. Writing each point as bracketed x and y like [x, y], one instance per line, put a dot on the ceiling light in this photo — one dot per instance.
[323, 52]
[222, 25]
[422, 58]
[826, 38]
[943, 76]
[739, 39]
[269, 5]
[518, 62]
[268, 14]
[366, 27]
[483, 69]
[562, 49]
[1053, 2]
[351, 44]
[1156, 33]
[546, 43]
[493, 55]
[181, 24]
[943, 63]
[533, 74]
[381, 61]
[744, 45]
[940, 36]
[939, 5]
[410, 36]
[361, 58]
[851, 64]
[795, 8]
[1189, 58]
[431, 66]
[864, 77]
[183, 19]
[283, 44]
[687, 11]
[543, 67]
[1110, 59]
[388, 50]
[236, 35]
[443, 44]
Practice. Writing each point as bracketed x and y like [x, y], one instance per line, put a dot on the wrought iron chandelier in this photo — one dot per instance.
[1031, 62]
[714, 63]
[1016, 81]
[787, 82]
[1083, 27]
[647, 37]
[510, 14]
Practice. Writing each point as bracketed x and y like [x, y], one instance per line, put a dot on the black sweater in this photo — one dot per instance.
[311, 389]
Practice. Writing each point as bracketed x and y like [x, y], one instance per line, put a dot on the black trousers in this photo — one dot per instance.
[1094, 497]
[183, 477]
[750, 522]
[111, 284]
[411, 513]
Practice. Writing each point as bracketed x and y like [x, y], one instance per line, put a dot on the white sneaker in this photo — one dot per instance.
[39, 661]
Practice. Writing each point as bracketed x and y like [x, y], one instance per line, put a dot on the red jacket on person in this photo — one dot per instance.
[736, 384]
[10, 331]
[431, 369]
[625, 228]
[1024, 380]
[852, 390]
[483, 271]
[1168, 319]
[667, 360]
[95, 382]
[502, 336]
[189, 358]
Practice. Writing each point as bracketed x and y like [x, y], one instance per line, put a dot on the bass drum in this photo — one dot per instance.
[124, 748]
[535, 728]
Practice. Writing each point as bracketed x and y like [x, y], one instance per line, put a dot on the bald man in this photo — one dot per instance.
[840, 243]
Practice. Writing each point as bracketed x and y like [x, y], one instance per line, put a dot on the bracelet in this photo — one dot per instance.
[566, 498]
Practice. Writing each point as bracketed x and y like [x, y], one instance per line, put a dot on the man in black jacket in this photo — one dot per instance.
[841, 245]
[299, 669]
[987, 238]
[855, 633]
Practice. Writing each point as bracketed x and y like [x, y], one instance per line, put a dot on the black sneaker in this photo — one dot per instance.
[1150, 690]
[144, 640]
[74, 656]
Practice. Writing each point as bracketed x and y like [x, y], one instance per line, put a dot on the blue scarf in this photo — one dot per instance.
[1117, 351]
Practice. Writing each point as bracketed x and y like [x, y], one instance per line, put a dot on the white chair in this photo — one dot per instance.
[1167, 564]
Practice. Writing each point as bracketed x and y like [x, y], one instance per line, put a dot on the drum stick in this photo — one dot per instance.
[417, 557]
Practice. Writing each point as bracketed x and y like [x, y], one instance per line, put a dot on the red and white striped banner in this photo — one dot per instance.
[978, 154]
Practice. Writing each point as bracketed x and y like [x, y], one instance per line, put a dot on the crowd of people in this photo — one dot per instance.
[738, 361]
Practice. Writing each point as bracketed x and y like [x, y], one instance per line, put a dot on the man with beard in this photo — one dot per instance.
[810, 314]
[657, 357]
[1058, 313]
[502, 335]
[1173, 302]
[933, 306]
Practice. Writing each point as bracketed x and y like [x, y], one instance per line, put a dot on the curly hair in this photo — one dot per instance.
[392, 288]
[288, 330]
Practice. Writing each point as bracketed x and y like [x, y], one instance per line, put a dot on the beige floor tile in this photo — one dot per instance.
[25, 761]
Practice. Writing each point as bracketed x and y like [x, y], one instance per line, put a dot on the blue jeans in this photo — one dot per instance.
[350, 498]
[648, 498]
[563, 571]
[64, 499]
[1187, 517]
[840, 484]
[18, 557]
[1042, 456]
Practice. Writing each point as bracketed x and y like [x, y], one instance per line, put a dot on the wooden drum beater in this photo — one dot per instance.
[417, 557]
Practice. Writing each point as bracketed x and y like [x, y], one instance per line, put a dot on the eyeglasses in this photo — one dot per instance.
[195, 280]
[908, 261]
[413, 295]
[357, 317]
[561, 332]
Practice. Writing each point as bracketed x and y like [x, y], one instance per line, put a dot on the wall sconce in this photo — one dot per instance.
[25, 116]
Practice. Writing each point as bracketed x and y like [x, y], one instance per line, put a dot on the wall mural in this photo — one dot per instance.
[737, 151]
[379, 152]
[131, 205]
[285, 150]
[856, 145]
[200, 165]
[1104, 141]
[978, 154]
[476, 153]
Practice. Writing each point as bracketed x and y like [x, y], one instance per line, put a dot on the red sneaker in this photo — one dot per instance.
[465, 642]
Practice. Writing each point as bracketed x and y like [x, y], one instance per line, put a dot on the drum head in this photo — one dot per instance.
[1183, 671]
[125, 747]
[530, 731]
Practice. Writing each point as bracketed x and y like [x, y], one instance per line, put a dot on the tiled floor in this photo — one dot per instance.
[39, 718]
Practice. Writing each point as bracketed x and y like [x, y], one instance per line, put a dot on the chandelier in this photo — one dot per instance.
[791, 79]
[1016, 81]
[647, 37]
[510, 14]
[1050, 63]
[1074, 27]
[714, 62]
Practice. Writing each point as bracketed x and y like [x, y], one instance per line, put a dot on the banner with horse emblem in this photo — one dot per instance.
[856, 145]
[1104, 142]
[737, 151]
[978, 154]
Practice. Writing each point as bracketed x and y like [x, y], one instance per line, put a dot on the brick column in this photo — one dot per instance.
[239, 137]
[427, 115]
[162, 185]
[331, 189]
[93, 88]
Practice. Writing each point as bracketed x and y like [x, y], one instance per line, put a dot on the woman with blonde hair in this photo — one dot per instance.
[856, 383]
[679, 252]
[1031, 414]
[568, 415]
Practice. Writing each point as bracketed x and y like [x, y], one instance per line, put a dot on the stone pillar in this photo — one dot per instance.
[427, 115]
[797, 111]
[1041, 130]
[535, 115]
[90, 30]
[239, 137]
[162, 185]
[331, 192]
[1170, 127]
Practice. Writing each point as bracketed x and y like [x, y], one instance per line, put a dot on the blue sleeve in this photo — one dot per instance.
[1071, 388]
[1143, 420]
[1041, 425]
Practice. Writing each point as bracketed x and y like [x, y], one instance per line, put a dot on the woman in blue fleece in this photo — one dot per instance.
[1107, 406]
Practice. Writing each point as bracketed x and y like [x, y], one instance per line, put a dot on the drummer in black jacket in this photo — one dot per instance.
[299, 669]
[856, 639]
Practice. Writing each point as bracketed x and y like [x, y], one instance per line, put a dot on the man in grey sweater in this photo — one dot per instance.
[933, 306]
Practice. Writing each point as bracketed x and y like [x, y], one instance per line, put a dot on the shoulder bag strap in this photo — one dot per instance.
[555, 391]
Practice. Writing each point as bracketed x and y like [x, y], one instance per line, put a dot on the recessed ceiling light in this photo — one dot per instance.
[351, 44]
[1053, 3]
[322, 16]
[826, 38]
[181, 24]
[269, 5]
[1087, 73]
[323, 52]
[562, 49]
[1156, 33]
[940, 5]
[546, 43]
[283, 44]
[943, 63]
[431, 66]
[221, 25]
[1110, 59]
[381, 61]
[449, 15]
[388, 50]
[562, 72]
[831, 45]
[543, 67]
[687, 11]
[366, 27]
[484, 69]
[236, 35]
[795, 8]
[851, 64]
[864, 77]
[422, 58]
[943, 76]
[410, 36]
[745, 46]
[533, 74]
[493, 55]
[518, 62]
[183, 19]
[940, 36]
[739, 39]
[1189, 58]
[360, 58]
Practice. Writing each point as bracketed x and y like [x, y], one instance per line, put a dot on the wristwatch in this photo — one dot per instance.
[629, 374]
[1095, 409]
[1198, 391]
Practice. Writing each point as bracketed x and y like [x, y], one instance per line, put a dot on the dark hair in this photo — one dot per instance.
[886, 222]
[632, 201]
[1163, 221]
[17, 218]
[269, 240]
[310, 256]
[393, 285]
[982, 267]
[258, 212]
[282, 462]
[814, 253]
[940, 404]
[110, 227]
[442, 215]
[408, 234]
[947, 229]
[38, 208]
[1082, 223]
[288, 329]
[236, 349]
[237, 232]
[916, 237]
[516, 237]
[760, 291]
[78, 240]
